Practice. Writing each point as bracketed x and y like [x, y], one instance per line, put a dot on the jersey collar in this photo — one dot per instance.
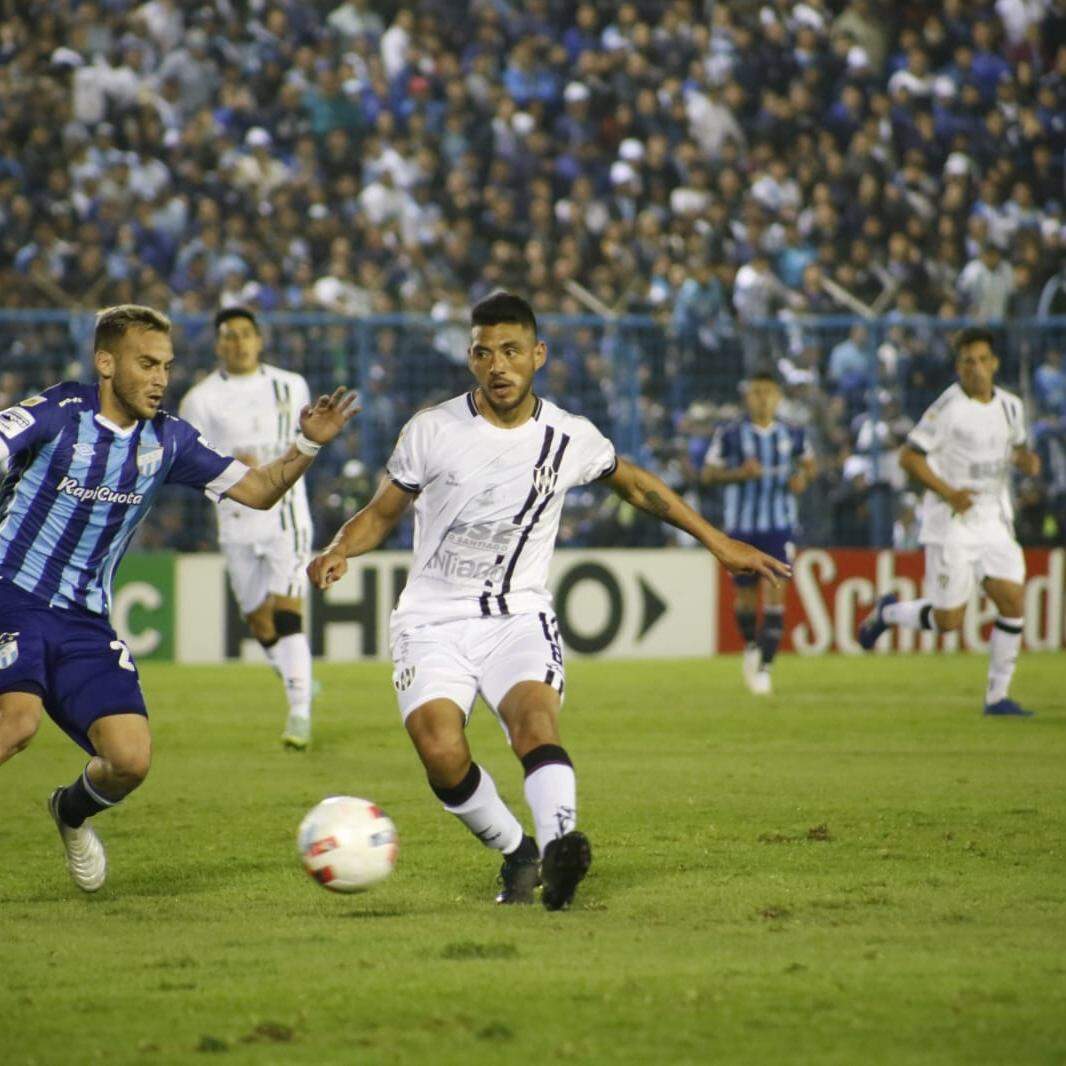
[115, 428]
[471, 405]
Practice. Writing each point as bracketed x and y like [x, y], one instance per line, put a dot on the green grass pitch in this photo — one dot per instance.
[860, 869]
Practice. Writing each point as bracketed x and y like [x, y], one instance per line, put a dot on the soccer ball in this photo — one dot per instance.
[347, 844]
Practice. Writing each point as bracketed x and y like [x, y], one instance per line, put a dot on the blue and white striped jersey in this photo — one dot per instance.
[763, 504]
[78, 486]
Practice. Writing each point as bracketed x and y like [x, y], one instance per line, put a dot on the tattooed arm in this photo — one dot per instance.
[648, 493]
[262, 486]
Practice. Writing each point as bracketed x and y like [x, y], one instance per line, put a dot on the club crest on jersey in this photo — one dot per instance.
[149, 459]
[544, 478]
[404, 678]
[9, 650]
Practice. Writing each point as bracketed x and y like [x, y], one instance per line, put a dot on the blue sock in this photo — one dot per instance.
[82, 800]
[746, 625]
[773, 625]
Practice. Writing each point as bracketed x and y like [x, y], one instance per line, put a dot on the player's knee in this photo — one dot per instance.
[949, 620]
[441, 745]
[443, 756]
[534, 724]
[130, 765]
[18, 726]
[262, 627]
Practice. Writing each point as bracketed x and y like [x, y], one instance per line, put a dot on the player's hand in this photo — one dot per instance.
[740, 558]
[750, 469]
[323, 420]
[1028, 463]
[327, 568]
[797, 483]
[960, 500]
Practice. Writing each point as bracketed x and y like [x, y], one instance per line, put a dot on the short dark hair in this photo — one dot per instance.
[112, 323]
[973, 335]
[223, 316]
[503, 306]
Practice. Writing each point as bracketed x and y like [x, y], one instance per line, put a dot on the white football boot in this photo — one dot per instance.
[761, 684]
[750, 666]
[86, 859]
[297, 733]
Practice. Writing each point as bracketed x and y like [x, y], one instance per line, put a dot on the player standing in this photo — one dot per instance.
[764, 464]
[962, 451]
[487, 472]
[85, 464]
[251, 410]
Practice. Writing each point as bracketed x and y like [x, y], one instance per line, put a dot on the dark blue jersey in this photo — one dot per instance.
[78, 486]
[763, 504]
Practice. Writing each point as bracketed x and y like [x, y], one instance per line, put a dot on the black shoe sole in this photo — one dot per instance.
[566, 861]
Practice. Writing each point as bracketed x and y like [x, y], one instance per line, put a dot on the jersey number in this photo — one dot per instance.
[125, 660]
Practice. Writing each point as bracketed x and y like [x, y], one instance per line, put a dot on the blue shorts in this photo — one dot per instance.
[778, 544]
[72, 659]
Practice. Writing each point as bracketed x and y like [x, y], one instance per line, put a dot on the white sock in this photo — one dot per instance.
[1002, 657]
[272, 657]
[487, 816]
[292, 655]
[551, 792]
[911, 614]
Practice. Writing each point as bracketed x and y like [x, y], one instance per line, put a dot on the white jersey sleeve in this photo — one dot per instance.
[192, 410]
[598, 458]
[408, 464]
[1015, 412]
[930, 431]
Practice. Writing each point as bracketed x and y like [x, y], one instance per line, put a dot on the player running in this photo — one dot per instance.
[85, 464]
[764, 464]
[251, 410]
[487, 472]
[962, 451]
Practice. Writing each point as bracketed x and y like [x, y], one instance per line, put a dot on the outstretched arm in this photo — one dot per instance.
[264, 485]
[362, 532]
[645, 491]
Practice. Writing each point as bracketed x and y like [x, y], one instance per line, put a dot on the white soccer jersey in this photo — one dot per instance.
[969, 445]
[255, 416]
[488, 506]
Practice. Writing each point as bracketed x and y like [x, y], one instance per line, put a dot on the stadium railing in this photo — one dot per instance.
[656, 384]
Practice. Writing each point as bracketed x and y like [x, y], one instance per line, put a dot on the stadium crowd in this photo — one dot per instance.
[726, 171]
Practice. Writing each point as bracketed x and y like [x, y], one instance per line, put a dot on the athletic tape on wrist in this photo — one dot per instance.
[307, 447]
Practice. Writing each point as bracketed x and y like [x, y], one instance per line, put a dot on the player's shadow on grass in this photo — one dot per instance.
[148, 881]
[375, 912]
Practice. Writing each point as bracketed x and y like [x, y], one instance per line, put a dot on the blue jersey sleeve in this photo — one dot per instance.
[200, 466]
[32, 422]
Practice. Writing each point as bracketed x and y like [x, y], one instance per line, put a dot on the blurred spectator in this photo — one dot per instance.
[850, 361]
[986, 284]
[1049, 383]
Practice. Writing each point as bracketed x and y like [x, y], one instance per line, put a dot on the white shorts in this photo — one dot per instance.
[952, 568]
[457, 660]
[266, 568]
